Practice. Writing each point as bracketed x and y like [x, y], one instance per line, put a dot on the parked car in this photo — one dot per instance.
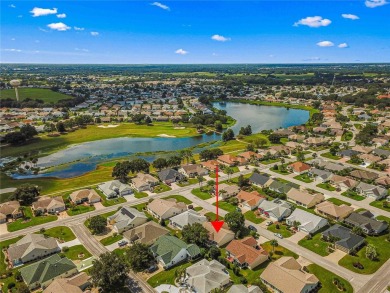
[253, 228]
[269, 223]
[122, 243]
[278, 235]
[238, 209]
[152, 269]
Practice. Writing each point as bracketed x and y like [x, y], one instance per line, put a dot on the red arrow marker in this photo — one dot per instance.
[217, 224]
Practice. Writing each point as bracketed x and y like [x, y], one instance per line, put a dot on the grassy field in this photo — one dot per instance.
[353, 195]
[279, 251]
[167, 277]
[46, 144]
[370, 267]
[61, 232]
[326, 278]
[32, 221]
[111, 239]
[315, 244]
[201, 194]
[80, 209]
[74, 252]
[282, 230]
[250, 216]
[179, 198]
[46, 95]
[338, 202]
[304, 178]
[326, 186]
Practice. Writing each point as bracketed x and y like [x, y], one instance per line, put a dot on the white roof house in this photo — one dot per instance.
[276, 209]
[115, 188]
[126, 218]
[187, 218]
[308, 222]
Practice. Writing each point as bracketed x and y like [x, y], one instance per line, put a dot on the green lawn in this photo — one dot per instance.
[315, 244]
[226, 206]
[270, 161]
[31, 221]
[74, 252]
[197, 209]
[140, 194]
[326, 278]
[279, 251]
[201, 194]
[167, 276]
[347, 136]
[338, 202]
[189, 181]
[106, 215]
[330, 156]
[179, 198]
[161, 188]
[140, 206]
[353, 195]
[61, 232]
[304, 178]
[46, 95]
[10, 279]
[111, 239]
[250, 216]
[370, 267]
[282, 230]
[112, 201]
[79, 209]
[326, 186]
[285, 172]
[212, 216]
[379, 204]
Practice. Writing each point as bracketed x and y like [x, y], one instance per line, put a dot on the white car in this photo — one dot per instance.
[278, 235]
[269, 223]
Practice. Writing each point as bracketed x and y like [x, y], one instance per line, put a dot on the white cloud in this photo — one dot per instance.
[62, 15]
[12, 6]
[13, 39]
[350, 16]
[43, 30]
[95, 34]
[59, 26]
[325, 44]
[313, 21]
[375, 3]
[220, 38]
[162, 6]
[43, 11]
[82, 50]
[78, 28]
[181, 52]
[13, 50]
[343, 45]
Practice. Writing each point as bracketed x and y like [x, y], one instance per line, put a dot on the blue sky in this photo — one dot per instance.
[147, 32]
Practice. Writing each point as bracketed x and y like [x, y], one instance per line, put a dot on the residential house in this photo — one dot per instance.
[364, 175]
[115, 188]
[276, 209]
[316, 141]
[303, 198]
[319, 175]
[243, 289]
[369, 190]
[42, 273]
[188, 217]
[286, 275]
[32, 247]
[308, 222]
[169, 176]
[381, 153]
[260, 180]
[163, 209]
[384, 181]
[126, 218]
[330, 166]
[143, 182]
[210, 165]
[225, 190]
[246, 253]
[170, 250]
[147, 233]
[84, 195]
[220, 238]
[192, 171]
[10, 210]
[228, 160]
[363, 149]
[334, 212]
[249, 200]
[369, 159]
[347, 153]
[346, 240]
[282, 187]
[75, 284]
[205, 276]
[298, 167]
[343, 183]
[369, 225]
[49, 205]
[249, 156]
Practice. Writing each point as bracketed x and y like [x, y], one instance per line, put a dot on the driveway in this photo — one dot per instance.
[69, 243]
[335, 256]
[98, 206]
[167, 288]
[297, 236]
[3, 229]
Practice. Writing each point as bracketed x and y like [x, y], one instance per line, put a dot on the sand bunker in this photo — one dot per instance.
[179, 128]
[108, 126]
[165, 135]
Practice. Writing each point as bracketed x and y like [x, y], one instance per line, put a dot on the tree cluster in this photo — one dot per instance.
[246, 130]
[19, 137]
[122, 169]
[210, 154]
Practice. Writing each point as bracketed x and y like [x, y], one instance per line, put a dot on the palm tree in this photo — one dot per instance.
[200, 180]
[229, 171]
[274, 243]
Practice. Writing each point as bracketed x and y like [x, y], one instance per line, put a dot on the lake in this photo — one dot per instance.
[79, 159]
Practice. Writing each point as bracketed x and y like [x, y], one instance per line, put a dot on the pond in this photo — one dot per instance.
[79, 159]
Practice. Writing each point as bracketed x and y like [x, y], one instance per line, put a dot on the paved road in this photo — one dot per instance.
[379, 282]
